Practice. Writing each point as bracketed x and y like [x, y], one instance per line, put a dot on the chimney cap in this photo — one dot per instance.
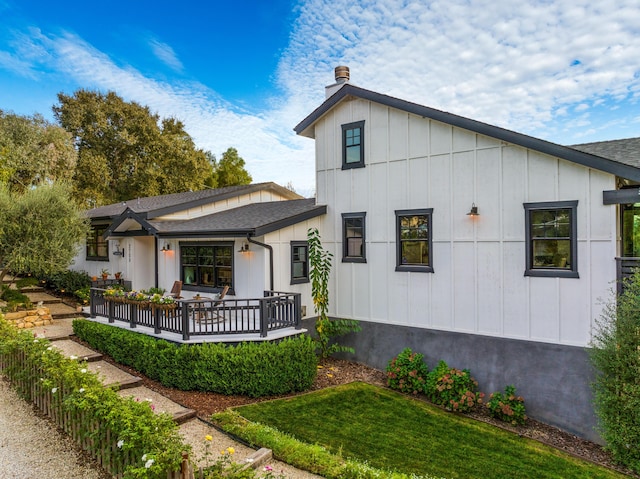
[342, 74]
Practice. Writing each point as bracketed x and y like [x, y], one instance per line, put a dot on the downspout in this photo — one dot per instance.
[155, 243]
[270, 259]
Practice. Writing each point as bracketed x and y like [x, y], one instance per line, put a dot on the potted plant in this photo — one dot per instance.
[104, 273]
[118, 274]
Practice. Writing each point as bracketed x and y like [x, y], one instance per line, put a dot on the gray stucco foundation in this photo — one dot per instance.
[554, 380]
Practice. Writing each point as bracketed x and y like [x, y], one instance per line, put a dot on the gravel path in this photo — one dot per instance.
[32, 448]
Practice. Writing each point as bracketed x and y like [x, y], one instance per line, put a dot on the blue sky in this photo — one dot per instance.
[243, 73]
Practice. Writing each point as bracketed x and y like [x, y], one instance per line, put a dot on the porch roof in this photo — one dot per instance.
[625, 151]
[255, 219]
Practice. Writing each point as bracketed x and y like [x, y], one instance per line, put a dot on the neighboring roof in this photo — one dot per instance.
[155, 206]
[255, 219]
[620, 167]
[625, 151]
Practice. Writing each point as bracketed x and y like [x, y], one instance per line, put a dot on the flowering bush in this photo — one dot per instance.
[159, 299]
[452, 388]
[407, 372]
[507, 406]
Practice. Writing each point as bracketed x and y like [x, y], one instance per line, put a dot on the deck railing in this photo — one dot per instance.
[625, 268]
[204, 316]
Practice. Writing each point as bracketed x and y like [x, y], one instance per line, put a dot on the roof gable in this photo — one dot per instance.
[586, 158]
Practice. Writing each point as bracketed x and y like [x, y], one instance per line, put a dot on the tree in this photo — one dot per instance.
[327, 329]
[230, 171]
[125, 151]
[40, 230]
[615, 354]
[33, 151]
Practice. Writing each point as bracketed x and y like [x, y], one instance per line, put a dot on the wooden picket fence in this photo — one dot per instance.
[90, 434]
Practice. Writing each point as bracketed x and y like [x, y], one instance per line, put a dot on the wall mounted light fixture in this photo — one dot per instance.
[166, 248]
[473, 211]
[244, 248]
[118, 251]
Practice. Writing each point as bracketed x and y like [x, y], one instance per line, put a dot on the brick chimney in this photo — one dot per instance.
[342, 77]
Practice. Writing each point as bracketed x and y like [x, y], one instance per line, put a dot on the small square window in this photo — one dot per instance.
[413, 240]
[353, 238]
[353, 145]
[551, 235]
[299, 262]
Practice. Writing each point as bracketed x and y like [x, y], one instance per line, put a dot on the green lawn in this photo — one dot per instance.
[393, 431]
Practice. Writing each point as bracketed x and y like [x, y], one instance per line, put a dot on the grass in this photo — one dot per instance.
[391, 431]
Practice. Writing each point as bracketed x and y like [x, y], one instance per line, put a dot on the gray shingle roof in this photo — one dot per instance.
[155, 206]
[625, 151]
[255, 219]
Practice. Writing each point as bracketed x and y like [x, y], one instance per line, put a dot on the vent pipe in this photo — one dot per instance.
[342, 78]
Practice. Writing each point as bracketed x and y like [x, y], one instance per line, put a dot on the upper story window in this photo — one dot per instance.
[206, 266]
[353, 237]
[353, 145]
[299, 262]
[413, 240]
[97, 246]
[551, 235]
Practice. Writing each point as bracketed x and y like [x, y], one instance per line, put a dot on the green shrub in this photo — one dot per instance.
[14, 298]
[26, 281]
[452, 388]
[407, 372]
[129, 432]
[67, 281]
[615, 355]
[249, 369]
[507, 406]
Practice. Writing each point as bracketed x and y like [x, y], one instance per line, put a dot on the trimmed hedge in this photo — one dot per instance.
[248, 369]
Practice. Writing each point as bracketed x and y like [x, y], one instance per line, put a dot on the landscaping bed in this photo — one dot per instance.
[333, 372]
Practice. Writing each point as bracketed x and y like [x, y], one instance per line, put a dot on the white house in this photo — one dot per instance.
[250, 238]
[470, 243]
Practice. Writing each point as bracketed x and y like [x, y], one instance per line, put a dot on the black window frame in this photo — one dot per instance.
[345, 243]
[346, 128]
[95, 238]
[552, 272]
[195, 286]
[418, 268]
[305, 277]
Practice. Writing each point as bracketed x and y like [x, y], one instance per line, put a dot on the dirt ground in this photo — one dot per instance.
[333, 372]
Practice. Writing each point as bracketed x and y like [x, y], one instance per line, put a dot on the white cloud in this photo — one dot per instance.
[166, 55]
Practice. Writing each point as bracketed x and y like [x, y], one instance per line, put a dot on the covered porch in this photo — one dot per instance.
[205, 319]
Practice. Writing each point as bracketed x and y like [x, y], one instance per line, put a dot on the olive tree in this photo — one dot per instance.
[40, 230]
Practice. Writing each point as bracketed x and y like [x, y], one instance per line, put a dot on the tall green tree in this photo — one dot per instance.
[230, 170]
[33, 151]
[125, 151]
[40, 229]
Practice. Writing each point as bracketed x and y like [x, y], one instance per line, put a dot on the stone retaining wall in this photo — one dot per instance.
[30, 318]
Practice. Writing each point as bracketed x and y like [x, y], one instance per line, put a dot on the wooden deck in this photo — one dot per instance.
[273, 316]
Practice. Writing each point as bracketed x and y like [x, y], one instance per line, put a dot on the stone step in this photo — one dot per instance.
[70, 348]
[41, 297]
[112, 376]
[159, 403]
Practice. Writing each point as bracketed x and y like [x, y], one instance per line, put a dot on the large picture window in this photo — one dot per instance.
[206, 266]
[353, 145]
[551, 235]
[97, 246]
[299, 262]
[413, 240]
[353, 238]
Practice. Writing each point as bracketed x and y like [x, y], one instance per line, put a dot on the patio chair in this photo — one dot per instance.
[215, 314]
[176, 290]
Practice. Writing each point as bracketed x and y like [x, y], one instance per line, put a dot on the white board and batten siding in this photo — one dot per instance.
[478, 284]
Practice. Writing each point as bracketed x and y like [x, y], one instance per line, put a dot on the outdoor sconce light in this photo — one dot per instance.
[244, 248]
[118, 251]
[166, 248]
[474, 211]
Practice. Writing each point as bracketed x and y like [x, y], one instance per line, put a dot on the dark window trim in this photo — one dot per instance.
[354, 259]
[551, 272]
[414, 267]
[301, 279]
[345, 128]
[94, 237]
[210, 289]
